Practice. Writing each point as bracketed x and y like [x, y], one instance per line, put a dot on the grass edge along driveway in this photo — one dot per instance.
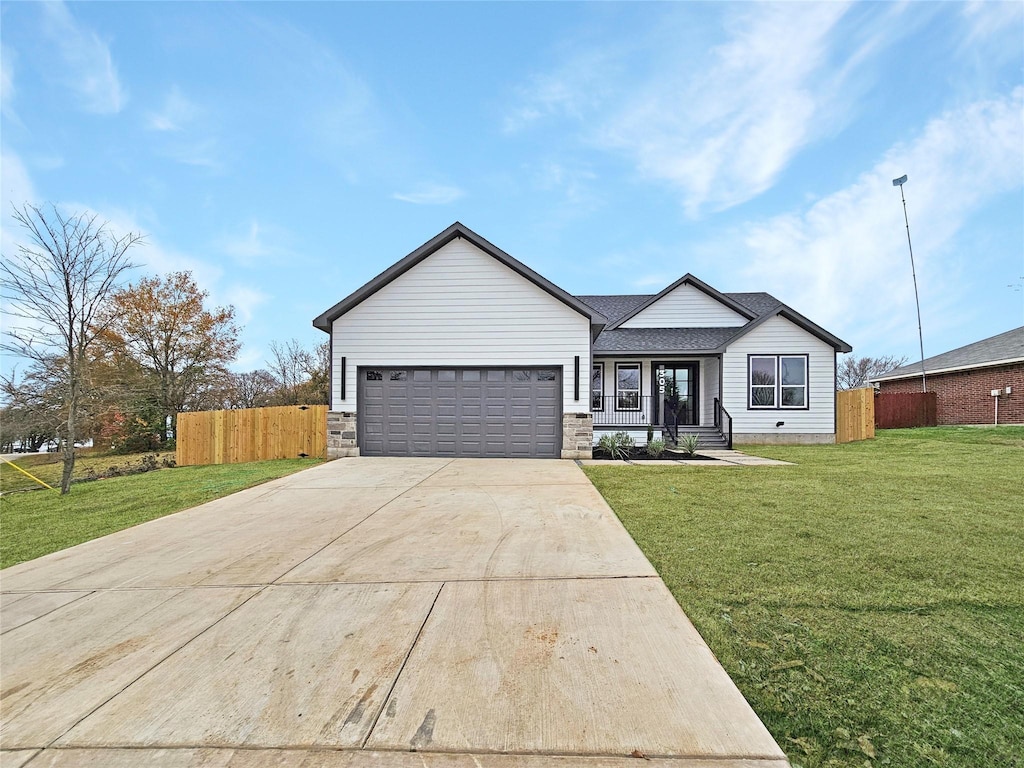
[867, 601]
[36, 523]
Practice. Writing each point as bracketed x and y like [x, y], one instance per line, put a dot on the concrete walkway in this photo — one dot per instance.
[724, 457]
[367, 612]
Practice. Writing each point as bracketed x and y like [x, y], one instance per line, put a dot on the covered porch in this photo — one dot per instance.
[673, 394]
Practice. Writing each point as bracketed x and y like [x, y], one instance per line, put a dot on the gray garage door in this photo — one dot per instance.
[460, 412]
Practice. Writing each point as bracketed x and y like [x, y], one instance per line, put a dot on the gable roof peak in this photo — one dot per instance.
[700, 285]
[457, 230]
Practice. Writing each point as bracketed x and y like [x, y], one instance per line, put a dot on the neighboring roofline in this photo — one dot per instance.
[797, 319]
[456, 231]
[952, 369]
[700, 285]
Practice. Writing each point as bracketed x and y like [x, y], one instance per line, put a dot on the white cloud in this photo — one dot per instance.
[245, 299]
[987, 20]
[430, 194]
[6, 78]
[575, 89]
[16, 189]
[259, 244]
[175, 113]
[200, 153]
[844, 261]
[723, 133]
[90, 67]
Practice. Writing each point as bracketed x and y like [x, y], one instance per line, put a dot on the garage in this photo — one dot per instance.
[464, 412]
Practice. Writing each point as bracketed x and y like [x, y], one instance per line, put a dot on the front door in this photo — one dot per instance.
[676, 394]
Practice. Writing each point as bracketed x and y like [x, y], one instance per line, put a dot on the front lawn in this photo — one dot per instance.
[35, 523]
[868, 602]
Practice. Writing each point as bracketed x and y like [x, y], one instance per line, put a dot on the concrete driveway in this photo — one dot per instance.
[367, 612]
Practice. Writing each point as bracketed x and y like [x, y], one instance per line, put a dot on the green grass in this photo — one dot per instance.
[868, 602]
[36, 523]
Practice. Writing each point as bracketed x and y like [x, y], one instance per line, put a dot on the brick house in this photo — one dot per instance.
[965, 378]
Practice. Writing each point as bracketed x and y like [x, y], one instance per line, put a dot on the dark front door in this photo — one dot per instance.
[675, 394]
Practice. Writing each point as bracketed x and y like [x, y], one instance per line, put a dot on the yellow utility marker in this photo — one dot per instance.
[27, 473]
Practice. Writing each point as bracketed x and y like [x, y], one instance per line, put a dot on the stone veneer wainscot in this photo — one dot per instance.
[341, 435]
[577, 436]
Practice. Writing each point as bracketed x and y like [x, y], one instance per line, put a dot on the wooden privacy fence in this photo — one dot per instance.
[906, 409]
[855, 415]
[252, 434]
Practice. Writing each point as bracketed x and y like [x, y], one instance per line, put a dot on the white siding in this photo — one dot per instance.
[686, 307]
[462, 307]
[779, 336]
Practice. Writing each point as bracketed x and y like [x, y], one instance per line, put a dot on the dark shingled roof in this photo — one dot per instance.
[668, 339]
[614, 307]
[1005, 346]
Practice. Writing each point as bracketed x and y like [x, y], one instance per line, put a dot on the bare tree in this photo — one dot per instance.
[252, 389]
[56, 286]
[856, 372]
[302, 375]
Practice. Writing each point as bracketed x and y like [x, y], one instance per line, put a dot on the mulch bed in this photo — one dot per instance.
[640, 454]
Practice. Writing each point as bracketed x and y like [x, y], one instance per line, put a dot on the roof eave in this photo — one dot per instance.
[953, 369]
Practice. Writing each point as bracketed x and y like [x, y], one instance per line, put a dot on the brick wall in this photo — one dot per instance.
[965, 397]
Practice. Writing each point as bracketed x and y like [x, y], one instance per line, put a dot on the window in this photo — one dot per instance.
[597, 387]
[793, 380]
[547, 375]
[778, 381]
[627, 386]
[762, 382]
[374, 376]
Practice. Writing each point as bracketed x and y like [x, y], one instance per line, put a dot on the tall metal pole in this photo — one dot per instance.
[920, 336]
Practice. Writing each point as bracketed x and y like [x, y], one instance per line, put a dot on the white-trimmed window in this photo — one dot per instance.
[597, 387]
[627, 386]
[778, 381]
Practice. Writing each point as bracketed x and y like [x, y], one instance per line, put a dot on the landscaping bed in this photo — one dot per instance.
[640, 454]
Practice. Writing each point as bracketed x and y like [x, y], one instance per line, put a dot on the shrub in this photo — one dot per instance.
[650, 433]
[655, 448]
[688, 443]
[616, 444]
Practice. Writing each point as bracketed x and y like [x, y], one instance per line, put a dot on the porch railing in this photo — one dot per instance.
[609, 411]
[724, 422]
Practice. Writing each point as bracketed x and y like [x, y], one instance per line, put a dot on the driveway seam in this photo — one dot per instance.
[415, 642]
[151, 668]
[356, 525]
[36, 618]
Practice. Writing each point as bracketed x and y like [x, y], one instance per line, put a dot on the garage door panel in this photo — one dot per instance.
[460, 412]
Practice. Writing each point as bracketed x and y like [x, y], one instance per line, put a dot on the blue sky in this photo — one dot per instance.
[287, 152]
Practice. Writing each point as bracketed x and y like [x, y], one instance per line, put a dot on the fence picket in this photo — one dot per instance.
[251, 434]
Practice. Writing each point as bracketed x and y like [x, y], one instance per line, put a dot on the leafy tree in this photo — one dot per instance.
[181, 347]
[57, 286]
[857, 372]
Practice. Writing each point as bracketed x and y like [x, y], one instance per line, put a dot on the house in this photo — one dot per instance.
[980, 383]
[461, 350]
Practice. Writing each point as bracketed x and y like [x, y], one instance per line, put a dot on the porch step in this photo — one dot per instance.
[709, 437]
